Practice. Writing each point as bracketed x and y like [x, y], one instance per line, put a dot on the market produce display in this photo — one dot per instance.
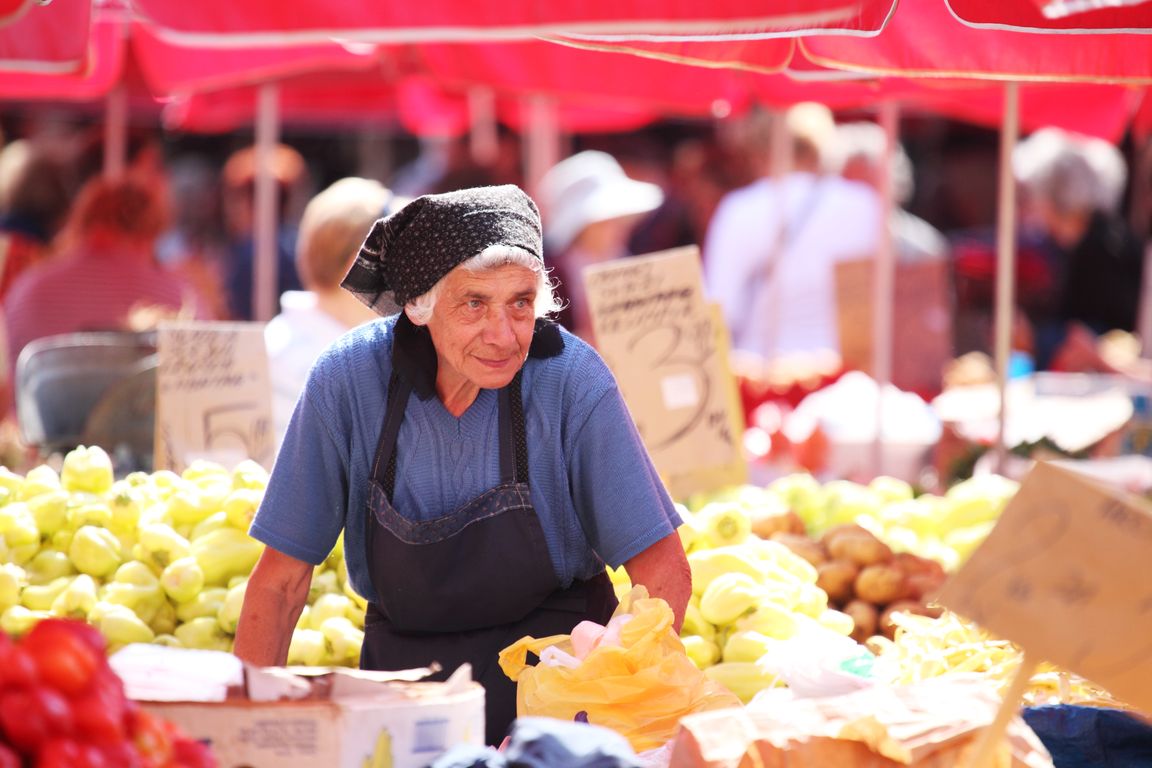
[925, 647]
[62, 706]
[153, 557]
[767, 562]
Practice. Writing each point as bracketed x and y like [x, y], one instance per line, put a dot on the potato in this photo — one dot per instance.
[765, 523]
[864, 549]
[915, 564]
[865, 616]
[880, 584]
[802, 545]
[837, 531]
[923, 587]
[838, 579]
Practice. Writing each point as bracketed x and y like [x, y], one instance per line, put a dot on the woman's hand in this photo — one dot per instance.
[273, 600]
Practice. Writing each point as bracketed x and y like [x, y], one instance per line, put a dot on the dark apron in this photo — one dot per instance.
[464, 586]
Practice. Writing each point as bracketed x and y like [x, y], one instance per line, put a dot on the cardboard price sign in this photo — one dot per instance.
[1064, 575]
[668, 349]
[213, 395]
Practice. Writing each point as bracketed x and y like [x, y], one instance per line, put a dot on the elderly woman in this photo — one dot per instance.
[479, 459]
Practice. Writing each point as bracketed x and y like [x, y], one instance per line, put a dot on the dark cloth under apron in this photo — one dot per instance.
[464, 586]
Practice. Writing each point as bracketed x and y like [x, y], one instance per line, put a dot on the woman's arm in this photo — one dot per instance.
[664, 572]
[273, 600]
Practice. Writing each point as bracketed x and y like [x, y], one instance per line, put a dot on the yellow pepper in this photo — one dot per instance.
[87, 469]
[728, 596]
[224, 553]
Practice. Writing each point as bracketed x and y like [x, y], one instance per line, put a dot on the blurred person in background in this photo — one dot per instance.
[239, 195]
[193, 245]
[589, 206]
[695, 183]
[772, 246]
[34, 198]
[104, 269]
[1072, 187]
[860, 153]
[332, 229]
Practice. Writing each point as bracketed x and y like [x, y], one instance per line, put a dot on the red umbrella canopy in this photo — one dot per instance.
[44, 39]
[1105, 16]
[924, 39]
[226, 22]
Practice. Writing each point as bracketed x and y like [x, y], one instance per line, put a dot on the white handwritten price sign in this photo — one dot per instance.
[1064, 574]
[213, 395]
[668, 349]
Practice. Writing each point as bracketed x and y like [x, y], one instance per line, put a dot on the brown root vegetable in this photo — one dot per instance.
[864, 549]
[915, 564]
[769, 522]
[837, 531]
[880, 584]
[864, 616]
[802, 545]
[838, 579]
[923, 586]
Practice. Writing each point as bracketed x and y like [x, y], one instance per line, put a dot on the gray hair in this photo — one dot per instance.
[1070, 171]
[419, 309]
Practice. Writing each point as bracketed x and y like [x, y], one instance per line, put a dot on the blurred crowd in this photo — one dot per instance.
[776, 202]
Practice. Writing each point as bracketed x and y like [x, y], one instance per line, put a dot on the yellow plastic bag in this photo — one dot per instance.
[640, 688]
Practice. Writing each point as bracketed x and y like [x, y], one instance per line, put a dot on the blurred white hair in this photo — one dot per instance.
[1071, 171]
[863, 142]
[419, 309]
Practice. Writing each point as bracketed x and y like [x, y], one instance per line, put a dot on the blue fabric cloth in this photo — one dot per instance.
[1091, 737]
[542, 742]
[597, 494]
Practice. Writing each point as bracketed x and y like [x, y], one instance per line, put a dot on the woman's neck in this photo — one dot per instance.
[456, 393]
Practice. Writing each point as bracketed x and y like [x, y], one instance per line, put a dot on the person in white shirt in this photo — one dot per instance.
[331, 231]
[772, 246]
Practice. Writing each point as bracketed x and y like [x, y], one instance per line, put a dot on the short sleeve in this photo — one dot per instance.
[304, 507]
[619, 498]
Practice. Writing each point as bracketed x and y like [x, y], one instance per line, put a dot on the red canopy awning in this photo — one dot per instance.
[278, 23]
[924, 39]
[49, 39]
[1048, 16]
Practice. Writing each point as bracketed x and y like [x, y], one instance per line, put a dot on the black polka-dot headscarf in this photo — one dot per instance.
[409, 251]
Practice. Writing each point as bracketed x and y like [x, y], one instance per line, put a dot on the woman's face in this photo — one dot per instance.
[482, 325]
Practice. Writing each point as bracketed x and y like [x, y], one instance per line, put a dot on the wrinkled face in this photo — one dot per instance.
[482, 325]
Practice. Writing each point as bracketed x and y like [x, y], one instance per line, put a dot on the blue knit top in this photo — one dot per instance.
[593, 485]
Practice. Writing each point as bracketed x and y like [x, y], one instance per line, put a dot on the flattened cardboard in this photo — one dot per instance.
[933, 724]
[669, 352]
[213, 395]
[1064, 575]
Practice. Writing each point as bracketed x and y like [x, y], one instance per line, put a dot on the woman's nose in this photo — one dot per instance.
[498, 329]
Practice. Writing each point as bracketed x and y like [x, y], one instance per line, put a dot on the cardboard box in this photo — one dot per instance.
[308, 717]
[933, 724]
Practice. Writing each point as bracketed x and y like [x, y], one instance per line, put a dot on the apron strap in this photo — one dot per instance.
[513, 434]
[384, 466]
